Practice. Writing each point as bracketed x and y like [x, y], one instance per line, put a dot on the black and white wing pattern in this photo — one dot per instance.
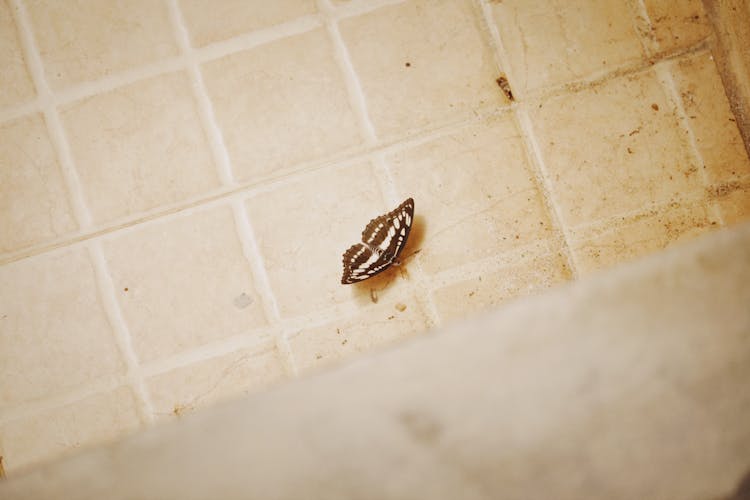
[382, 242]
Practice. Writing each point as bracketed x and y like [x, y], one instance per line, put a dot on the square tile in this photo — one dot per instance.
[139, 147]
[218, 20]
[281, 104]
[489, 289]
[550, 43]
[81, 41]
[421, 63]
[213, 380]
[385, 324]
[103, 417]
[34, 205]
[178, 283]
[474, 192]
[14, 78]
[54, 332]
[303, 229]
[711, 120]
[677, 24]
[605, 245]
[615, 148]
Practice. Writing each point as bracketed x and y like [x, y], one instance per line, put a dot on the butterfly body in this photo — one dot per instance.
[382, 242]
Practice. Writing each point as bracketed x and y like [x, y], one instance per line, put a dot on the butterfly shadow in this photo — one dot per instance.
[368, 291]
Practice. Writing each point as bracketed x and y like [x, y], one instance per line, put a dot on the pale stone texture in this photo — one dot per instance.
[526, 276]
[601, 246]
[631, 385]
[204, 383]
[54, 433]
[390, 321]
[277, 109]
[34, 205]
[15, 81]
[601, 167]
[177, 280]
[139, 147]
[479, 191]
[550, 43]
[218, 20]
[422, 63]
[82, 41]
[54, 333]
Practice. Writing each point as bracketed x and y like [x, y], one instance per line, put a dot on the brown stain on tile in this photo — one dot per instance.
[180, 409]
[724, 189]
[504, 85]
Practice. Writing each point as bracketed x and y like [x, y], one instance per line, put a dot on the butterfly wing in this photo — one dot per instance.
[382, 241]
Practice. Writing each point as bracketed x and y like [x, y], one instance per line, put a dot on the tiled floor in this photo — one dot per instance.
[179, 179]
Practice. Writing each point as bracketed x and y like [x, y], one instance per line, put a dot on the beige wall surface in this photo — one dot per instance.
[179, 180]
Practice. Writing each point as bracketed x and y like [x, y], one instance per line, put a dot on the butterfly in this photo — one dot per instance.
[382, 241]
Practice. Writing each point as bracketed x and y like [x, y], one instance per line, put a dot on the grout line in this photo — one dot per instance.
[16, 111]
[543, 181]
[205, 108]
[533, 151]
[357, 97]
[253, 39]
[52, 118]
[668, 84]
[224, 194]
[359, 104]
[260, 277]
[204, 54]
[611, 223]
[61, 399]
[108, 83]
[420, 287]
[494, 263]
[254, 339]
[496, 41]
[223, 164]
[595, 80]
[298, 26]
[649, 42]
[670, 87]
[122, 334]
[355, 8]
